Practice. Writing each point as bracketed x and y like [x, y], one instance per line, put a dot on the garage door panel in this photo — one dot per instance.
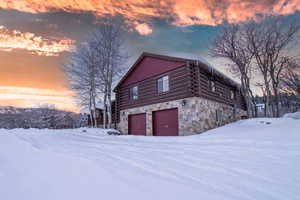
[165, 122]
[137, 124]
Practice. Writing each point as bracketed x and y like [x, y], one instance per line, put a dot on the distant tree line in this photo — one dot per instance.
[44, 117]
[259, 54]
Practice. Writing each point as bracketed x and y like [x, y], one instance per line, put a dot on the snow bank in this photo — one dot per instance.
[249, 159]
[295, 115]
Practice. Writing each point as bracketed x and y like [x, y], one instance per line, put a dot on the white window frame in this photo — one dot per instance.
[212, 86]
[134, 93]
[232, 94]
[165, 84]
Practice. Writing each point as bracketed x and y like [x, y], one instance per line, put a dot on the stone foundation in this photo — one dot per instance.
[195, 116]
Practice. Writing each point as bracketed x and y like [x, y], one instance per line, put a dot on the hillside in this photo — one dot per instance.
[13, 117]
[250, 159]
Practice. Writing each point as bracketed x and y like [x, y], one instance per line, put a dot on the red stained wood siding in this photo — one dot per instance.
[165, 122]
[187, 78]
[137, 124]
[222, 92]
[149, 67]
[180, 86]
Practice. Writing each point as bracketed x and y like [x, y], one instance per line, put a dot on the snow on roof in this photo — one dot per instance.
[190, 56]
[196, 57]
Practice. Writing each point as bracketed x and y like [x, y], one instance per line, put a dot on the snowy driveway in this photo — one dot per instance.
[245, 160]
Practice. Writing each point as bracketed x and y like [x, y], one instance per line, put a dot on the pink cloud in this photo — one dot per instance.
[14, 39]
[139, 13]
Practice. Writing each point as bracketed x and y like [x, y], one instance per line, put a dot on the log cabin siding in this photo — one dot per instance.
[222, 91]
[180, 86]
[186, 81]
[187, 78]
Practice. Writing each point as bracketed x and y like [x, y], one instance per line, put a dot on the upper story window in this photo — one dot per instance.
[163, 84]
[212, 86]
[232, 94]
[134, 93]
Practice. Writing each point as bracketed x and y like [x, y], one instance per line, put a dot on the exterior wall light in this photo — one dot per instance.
[183, 102]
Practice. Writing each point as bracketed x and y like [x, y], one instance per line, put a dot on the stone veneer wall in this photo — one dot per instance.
[196, 116]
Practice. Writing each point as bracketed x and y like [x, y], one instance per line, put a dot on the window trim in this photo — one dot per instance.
[219, 116]
[157, 86]
[131, 97]
[232, 94]
[212, 86]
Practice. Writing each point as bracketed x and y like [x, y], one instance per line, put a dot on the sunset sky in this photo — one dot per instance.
[36, 36]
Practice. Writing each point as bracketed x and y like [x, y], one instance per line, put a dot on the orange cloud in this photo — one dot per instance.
[10, 40]
[143, 29]
[33, 97]
[181, 12]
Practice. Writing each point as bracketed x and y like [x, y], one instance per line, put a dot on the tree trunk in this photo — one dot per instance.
[267, 105]
[277, 113]
[105, 106]
[109, 111]
[91, 111]
[246, 93]
[94, 108]
[247, 103]
[109, 97]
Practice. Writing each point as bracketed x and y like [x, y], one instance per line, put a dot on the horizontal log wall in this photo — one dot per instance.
[180, 84]
[187, 81]
[222, 93]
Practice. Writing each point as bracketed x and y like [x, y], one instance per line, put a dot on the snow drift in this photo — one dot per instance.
[295, 115]
[250, 159]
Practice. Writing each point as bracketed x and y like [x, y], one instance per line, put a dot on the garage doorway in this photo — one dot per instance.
[137, 124]
[165, 122]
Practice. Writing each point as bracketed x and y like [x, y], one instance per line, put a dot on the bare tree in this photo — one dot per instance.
[268, 42]
[231, 45]
[108, 44]
[81, 71]
[262, 88]
[95, 66]
[276, 75]
[291, 78]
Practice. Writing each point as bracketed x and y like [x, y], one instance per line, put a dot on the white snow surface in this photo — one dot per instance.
[249, 159]
[295, 115]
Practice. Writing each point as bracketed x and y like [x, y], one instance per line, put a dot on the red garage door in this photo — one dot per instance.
[165, 122]
[137, 124]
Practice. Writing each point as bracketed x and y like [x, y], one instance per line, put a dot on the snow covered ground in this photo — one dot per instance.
[250, 159]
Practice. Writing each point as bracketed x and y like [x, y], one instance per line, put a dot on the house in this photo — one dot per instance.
[260, 107]
[100, 116]
[170, 96]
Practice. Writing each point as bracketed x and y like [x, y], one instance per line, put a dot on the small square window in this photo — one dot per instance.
[212, 86]
[232, 94]
[219, 116]
[163, 84]
[134, 94]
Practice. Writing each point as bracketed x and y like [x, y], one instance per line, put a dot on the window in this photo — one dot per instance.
[97, 113]
[234, 111]
[219, 115]
[134, 94]
[163, 84]
[232, 94]
[212, 86]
